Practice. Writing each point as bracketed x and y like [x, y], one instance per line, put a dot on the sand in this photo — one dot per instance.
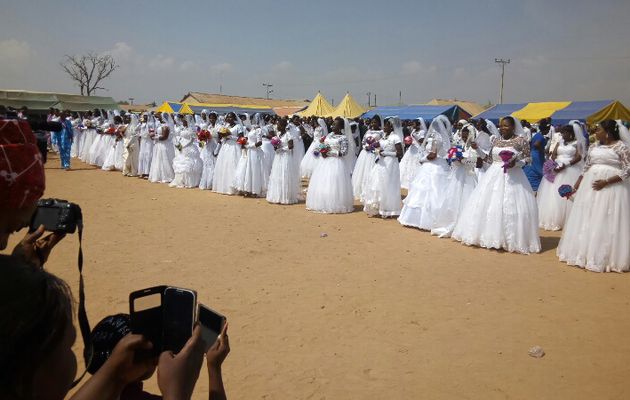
[373, 310]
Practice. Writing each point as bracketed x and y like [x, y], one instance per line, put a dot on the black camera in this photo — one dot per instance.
[59, 216]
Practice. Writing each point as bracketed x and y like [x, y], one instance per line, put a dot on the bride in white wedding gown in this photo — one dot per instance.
[501, 212]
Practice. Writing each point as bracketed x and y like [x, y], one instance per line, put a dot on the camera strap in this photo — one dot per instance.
[84, 324]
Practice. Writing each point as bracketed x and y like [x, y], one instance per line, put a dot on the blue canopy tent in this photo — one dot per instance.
[236, 110]
[499, 111]
[428, 112]
[579, 110]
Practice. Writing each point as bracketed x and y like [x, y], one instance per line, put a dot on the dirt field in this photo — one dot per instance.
[372, 311]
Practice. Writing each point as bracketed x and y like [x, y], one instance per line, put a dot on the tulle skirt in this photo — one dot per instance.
[187, 166]
[310, 160]
[77, 139]
[501, 213]
[225, 168]
[554, 210]
[461, 184]
[269, 154]
[162, 162]
[381, 196]
[597, 232]
[330, 187]
[361, 173]
[249, 176]
[113, 153]
[298, 151]
[426, 195]
[88, 138]
[145, 155]
[409, 165]
[207, 155]
[284, 181]
[96, 156]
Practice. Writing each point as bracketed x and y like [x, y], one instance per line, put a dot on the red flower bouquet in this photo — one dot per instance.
[276, 142]
[203, 135]
[506, 157]
[242, 141]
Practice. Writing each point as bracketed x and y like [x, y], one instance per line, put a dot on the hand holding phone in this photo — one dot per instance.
[212, 324]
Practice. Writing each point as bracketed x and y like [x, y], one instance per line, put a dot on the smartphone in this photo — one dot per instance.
[146, 315]
[211, 325]
[178, 317]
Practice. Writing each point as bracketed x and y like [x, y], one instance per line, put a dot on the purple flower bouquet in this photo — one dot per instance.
[506, 156]
[549, 170]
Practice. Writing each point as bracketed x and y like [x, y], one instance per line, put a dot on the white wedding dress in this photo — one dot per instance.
[146, 148]
[89, 136]
[187, 164]
[209, 159]
[554, 210]
[411, 159]
[461, 183]
[501, 213]
[310, 160]
[365, 163]
[162, 159]
[227, 160]
[381, 194]
[284, 180]
[250, 177]
[330, 186]
[426, 192]
[596, 235]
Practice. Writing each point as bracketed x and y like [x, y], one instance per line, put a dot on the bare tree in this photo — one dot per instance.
[89, 70]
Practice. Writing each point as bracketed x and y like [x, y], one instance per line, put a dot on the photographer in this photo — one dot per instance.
[36, 307]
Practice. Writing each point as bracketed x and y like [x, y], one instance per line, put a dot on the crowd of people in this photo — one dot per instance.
[480, 184]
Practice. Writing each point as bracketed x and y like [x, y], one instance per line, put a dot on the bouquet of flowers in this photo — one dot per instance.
[242, 141]
[455, 153]
[203, 135]
[566, 191]
[506, 157]
[549, 170]
[324, 148]
[110, 131]
[88, 124]
[371, 144]
[276, 142]
[224, 133]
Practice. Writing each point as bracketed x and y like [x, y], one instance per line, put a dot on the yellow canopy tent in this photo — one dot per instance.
[615, 110]
[534, 112]
[185, 109]
[319, 107]
[348, 108]
[169, 107]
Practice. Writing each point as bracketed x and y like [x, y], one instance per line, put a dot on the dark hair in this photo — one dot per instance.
[510, 119]
[35, 310]
[611, 128]
[378, 118]
[568, 129]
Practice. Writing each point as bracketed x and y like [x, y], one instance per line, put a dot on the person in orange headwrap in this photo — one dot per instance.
[22, 183]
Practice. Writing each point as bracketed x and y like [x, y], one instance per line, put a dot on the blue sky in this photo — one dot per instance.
[576, 50]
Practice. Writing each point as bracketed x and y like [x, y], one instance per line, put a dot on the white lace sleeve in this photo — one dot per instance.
[623, 152]
[343, 146]
[587, 161]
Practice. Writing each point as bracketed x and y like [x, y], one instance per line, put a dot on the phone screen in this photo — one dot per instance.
[145, 309]
[211, 325]
[179, 317]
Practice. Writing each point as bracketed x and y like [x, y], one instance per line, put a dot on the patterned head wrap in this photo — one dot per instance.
[22, 179]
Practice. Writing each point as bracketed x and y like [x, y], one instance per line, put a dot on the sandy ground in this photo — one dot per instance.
[373, 310]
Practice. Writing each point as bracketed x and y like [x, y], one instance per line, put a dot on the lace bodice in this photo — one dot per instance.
[517, 145]
[616, 156]
[565, 153]
[338, 144]
[388, 144]
[376, 135]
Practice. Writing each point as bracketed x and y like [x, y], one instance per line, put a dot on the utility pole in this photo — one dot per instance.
[374, 99]
[502, 62]
[369, 95]
[400, 98]
[268, 86]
